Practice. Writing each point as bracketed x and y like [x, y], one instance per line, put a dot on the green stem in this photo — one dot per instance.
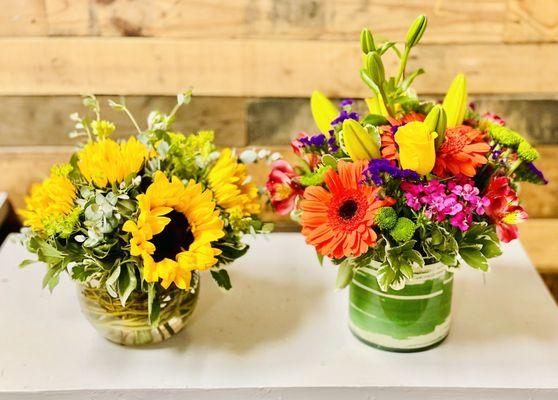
[402, 65]
[174, 110]
[514, 166]
[132, 119]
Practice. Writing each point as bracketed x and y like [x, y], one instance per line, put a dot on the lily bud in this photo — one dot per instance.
[376, 106]
[367, 41]
[415, 32]
[358, 142]
[323, 111]
[455, 102]
[436, 121]
[375, 68]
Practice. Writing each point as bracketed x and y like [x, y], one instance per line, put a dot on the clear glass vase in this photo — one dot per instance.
[129, 325]
[414, 318]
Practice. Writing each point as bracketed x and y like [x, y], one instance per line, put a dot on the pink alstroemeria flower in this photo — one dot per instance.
[282, 188]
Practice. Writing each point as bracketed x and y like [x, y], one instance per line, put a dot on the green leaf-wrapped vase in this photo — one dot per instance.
[416, 317]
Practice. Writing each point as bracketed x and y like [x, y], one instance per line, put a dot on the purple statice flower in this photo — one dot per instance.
[537, 172]
[316, 140]
[379, 166]
[457, 200]
[343, 115]
[346, 102]
[346, 112]
[496, 154]
[332, 142]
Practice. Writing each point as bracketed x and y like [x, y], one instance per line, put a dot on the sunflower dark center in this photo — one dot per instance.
[176, 237]
[348, 209]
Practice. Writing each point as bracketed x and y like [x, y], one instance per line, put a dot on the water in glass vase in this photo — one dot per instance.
[129, 325]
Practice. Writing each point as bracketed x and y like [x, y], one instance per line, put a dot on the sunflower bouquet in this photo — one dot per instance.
[133, 221]
[400, 195]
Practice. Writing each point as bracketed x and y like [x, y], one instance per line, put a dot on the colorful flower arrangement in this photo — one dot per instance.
[408, 183]
[141, 215]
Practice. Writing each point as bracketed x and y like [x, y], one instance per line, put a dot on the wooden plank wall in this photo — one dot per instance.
[253, 63]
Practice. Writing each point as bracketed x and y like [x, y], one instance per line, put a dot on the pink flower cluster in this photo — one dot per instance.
[457, 200]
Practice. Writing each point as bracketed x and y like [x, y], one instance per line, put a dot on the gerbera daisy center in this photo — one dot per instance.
[175, 238]
[348, 209]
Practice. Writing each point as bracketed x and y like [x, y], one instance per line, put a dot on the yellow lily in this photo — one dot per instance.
[358, 142]
[323, 111]
[455, 102]
[416, 147]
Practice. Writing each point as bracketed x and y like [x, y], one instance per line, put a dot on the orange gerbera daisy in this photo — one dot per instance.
[461, 152]
[339, 221]
[388, 147]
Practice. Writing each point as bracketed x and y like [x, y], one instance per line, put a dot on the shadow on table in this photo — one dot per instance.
[256, 312]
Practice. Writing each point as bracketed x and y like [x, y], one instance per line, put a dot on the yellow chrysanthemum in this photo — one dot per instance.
[107, 162]
[229, 182]
[174, 231]
[49, 203]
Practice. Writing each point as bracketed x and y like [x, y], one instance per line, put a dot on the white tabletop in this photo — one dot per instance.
[281, 333]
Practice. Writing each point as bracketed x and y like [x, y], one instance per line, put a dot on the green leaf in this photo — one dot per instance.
[375, 120]
[329, 160]
[222, 278]
[320, 258]
[410, 78]
[25, 263]
[385, 277]
[385, 47]
[185, 97]
[474, 258]
[369, 81]
[153, 306]
[490, 249]
[47, 250]
[344, 274]
[267, 227]
[127, 282]
[111, 282]
[116, 106]
[51, 277]
[406, 270]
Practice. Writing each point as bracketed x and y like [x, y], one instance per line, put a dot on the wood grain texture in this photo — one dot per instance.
[451, 21]
[23, 18]
[538, 236]
[254, 68]
[531, 21]
[44, 120]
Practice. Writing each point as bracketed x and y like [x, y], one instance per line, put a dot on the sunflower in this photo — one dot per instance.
[388, 146]
[174, 231]
[229, 182]
[461, 152]
[107, 162]
[339, 221]
[50, 203]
